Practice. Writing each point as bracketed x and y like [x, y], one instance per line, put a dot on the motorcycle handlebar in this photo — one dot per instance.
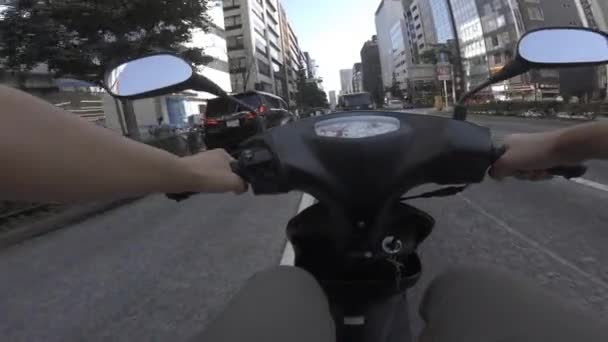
[567, 172]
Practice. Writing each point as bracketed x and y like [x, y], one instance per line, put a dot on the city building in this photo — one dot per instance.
[311, 66]
[333, 100]
[422, 33]
[488, 32]
[391, 31]
[346, 81]
[295, 61]
[594, 14]
[263, 49]
[357, 78]
[372, 70]
[442, 21]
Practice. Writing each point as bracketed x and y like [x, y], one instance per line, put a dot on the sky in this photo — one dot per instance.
[333, 32]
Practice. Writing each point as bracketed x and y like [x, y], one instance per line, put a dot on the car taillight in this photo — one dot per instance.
[212, 122]
[262, 109]
[251, 116]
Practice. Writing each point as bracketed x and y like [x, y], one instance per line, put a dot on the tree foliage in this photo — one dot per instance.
[309, 94]
[395, 89]
[439, 53]
[79, 38]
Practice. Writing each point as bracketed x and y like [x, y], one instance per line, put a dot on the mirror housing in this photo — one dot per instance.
[559, 47]
[553, 47]
[556, 47]
[156, 75]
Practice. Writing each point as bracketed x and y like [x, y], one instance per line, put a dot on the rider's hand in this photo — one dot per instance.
[528, 156]
[212, 173]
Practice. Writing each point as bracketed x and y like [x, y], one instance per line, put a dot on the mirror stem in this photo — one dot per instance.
[514, 68]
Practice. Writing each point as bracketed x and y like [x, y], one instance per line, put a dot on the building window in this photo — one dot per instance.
[536, 13]
[495, 42]
[501, 21]
[264, 68]
[258, 14]
[270, 5]
[497, 59]
[231, 4]
[233, 22]
[235, 42]
[238, 64]
[487, 9]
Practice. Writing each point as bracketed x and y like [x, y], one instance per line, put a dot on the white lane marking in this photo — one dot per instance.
[591, 184]
[289, 256]
[536, 245]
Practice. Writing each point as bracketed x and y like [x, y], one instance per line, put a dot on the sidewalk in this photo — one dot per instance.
[71, 215]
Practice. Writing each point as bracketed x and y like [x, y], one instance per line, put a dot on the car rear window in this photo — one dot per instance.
[220, 107]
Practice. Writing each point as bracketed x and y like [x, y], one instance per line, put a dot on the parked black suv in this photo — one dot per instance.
[228, 124]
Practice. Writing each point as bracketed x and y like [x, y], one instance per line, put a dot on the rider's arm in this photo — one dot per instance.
[47, 154]
[584, 142]
[541, 151]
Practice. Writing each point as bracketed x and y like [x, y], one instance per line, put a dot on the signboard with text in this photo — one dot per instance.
[444, 71]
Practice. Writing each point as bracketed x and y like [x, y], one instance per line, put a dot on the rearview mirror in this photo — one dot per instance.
[152, 74]
[556, 47]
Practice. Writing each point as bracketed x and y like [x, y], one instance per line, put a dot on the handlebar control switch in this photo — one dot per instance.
[259, 167]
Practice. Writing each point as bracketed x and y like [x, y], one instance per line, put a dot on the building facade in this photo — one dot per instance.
[263, 50]
[333, 100]
[295, 61]
[442, 21]
[488, 32]
[346, 81]
[372, 70]
[421, 26]
[357, 78]
[311, 66]
[594, 14]
[395, 53]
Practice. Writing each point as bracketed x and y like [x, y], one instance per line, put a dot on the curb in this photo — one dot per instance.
[75, 214]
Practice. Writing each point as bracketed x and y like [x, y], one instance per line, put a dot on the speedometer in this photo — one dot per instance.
[357, 127]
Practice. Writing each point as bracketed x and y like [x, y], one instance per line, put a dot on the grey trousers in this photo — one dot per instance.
[464, 305]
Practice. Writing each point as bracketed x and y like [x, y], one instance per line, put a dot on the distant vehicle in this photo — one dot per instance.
[395, 104]
[357, 101]
[227, 124]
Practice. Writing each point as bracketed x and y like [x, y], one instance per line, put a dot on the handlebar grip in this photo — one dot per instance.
[569, 172]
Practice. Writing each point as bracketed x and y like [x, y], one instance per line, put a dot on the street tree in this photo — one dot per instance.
[309, 94]
[395, 89]
[80, 38]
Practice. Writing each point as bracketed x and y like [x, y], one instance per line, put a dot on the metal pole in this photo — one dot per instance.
[445, 88]
[454, 99]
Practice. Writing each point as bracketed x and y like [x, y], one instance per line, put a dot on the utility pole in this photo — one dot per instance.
[458, 58]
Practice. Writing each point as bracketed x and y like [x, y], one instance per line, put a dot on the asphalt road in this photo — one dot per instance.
[156, 270]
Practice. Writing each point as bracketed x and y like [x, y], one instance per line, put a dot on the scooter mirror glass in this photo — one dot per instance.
[559, 46]
[148, 74]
